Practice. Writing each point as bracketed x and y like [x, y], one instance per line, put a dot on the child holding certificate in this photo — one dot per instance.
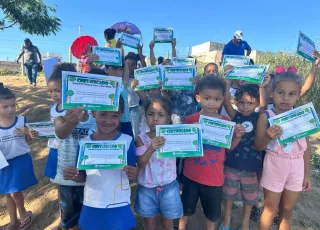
[204, 176]
[286, 169]
[107, 192]
[158, 190]
[243, 162]
[18, 175]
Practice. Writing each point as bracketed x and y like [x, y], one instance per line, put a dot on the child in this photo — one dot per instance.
[204, 175]
[158, 190]
[19, 174]
[101, 208]
[109, 35]
[286, 169]
[244, 161]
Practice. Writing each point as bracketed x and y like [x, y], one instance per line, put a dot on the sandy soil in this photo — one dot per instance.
[42, 199]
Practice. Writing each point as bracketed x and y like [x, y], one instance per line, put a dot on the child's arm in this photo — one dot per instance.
[238, 134]
[226, 102]
[142, 58]
[141, 93]
[152, 57]
[72, 173]
[65, 125]
[119, 46]
[173, 44]
[126, 74]
[156, 143]
[264, 94]
[264, 134]
[307, 181]
[312, 75]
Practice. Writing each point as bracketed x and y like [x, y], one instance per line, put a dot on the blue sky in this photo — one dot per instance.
[267, 25]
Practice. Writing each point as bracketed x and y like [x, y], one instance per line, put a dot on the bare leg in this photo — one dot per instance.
[75, 228]
[271, 204]
[19, 200]
[246, 217]
[210, 225]
[150, 223]
[12, 209]
[167, 224]
[183, 222]
[287, 204]
[227, 213]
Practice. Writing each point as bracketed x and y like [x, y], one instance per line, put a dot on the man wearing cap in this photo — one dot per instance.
[236, 46]
[30, 53]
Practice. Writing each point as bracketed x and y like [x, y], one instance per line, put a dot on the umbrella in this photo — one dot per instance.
[81, 45]
[126, 27]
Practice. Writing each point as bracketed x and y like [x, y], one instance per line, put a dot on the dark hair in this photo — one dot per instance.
[6, 93]
[28, 40]
[211, 82]
[97, 71]
[251, 61]
[210, 63]
[131, 56]
[165, 103]
[251, 89]
[121, 104]
[286, 76]
[56, 74]
[110, 33]
[160, 60]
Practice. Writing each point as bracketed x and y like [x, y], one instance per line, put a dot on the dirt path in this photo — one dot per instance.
[42, 199]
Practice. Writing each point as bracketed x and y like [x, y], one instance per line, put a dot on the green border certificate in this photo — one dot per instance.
[102, 155]
[90, 91]
[250, 73]
[45, 129]
[129, 40]
[181, 140]
[178, 77]
[297, 123]
[216, 132]
[183, 61]
[305, 47]
[162, 35]
[235, 60]
[107, 56]
[148, 78]
[3, 161]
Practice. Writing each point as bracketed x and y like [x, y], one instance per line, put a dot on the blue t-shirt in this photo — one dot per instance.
[245, 156]
[232, 49]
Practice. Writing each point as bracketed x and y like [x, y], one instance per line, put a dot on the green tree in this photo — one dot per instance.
[32, 16]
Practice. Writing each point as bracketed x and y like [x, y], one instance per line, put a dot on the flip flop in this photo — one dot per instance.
[223, 227]
[26, 222]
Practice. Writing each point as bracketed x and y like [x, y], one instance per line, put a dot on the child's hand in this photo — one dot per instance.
[134, 84]
[139, 47]
[157, 143]
[239, 131]
[307, 184]
[316, 55]
[227, 81]
[274, 132]
[174, 42]
[92, 58]
[119, 44]
[22, 131]
[74, 116]
[151, 44]
[131, 172]
[266, 81]
[70, 172]
[195, 80]
[33, 133]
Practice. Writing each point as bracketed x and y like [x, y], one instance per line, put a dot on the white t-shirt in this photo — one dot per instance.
[54, 113]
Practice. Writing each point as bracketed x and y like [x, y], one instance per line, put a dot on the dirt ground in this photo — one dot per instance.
[42, 199]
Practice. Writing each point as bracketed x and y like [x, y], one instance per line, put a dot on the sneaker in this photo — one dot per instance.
[34, 85]
[255, 214]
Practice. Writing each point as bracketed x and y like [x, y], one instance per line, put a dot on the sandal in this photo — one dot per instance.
[224, 228]
[26, 222]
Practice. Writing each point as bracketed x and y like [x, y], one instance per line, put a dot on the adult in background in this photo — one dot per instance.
[236, 46]
[30, 53]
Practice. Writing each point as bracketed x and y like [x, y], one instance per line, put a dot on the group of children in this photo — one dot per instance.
[87, 198]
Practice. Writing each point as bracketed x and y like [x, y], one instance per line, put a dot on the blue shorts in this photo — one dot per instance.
[164, 200]
[52, 163]
[120, 218]
[126, 128]
[18, 175]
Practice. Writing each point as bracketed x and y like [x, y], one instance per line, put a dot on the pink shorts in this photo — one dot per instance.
[282, 173]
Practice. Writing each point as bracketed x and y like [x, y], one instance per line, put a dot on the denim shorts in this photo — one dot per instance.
[164, 200]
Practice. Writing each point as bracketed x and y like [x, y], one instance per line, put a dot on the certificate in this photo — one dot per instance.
[102, 155]
[183, 61]
[296, 123]
[235, 60]
[250, 73]
[90, 91]
[148, 78]
[305, 47]
[217, 132]
[45, 129]
[181, 140]
[107, 56]
[129, 40]
[3, 161]
[178, 77]
[162, 35]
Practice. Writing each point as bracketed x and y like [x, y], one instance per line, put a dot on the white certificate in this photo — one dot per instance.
[297, 123]
[148, 78]
[90, 91]
[183, 61]
[129, 40]
[162, 35]
[178, 77]
[3, 161]
[216, 131]
[235, 60]
[305, 47]
[250, 73]
[45, 129]
[108, 56]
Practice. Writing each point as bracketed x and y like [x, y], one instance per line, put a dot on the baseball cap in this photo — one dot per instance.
[238, 34]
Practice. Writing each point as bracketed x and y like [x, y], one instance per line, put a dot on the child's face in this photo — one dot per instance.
[107, 122]
[210, 100]
[285, 95]
[211, 70]
[246, 105]
[55, 91]
[156, 115]
[8, 108]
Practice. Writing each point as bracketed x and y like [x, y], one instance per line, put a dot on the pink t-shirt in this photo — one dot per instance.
[158, 172]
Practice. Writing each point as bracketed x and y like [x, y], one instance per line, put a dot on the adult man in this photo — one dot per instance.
[31, 63]
[236, 46]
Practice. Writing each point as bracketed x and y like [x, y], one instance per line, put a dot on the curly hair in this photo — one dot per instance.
[251, 89]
